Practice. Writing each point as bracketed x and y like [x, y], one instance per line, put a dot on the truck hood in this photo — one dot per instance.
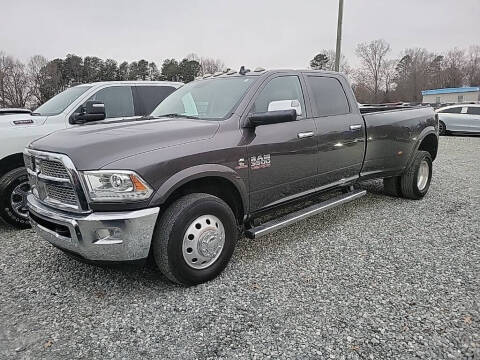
[93, 146]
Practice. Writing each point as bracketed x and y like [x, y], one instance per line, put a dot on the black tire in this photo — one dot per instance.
[442, 129]
[409, 180]
[169, 235]
[392, 187]
[17, 180]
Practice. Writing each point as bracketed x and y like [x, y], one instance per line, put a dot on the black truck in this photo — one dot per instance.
[215, 160]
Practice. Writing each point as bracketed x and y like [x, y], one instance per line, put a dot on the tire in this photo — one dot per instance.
[442, 129]
[198, 218]
[392, 187]
[13, 196]
[415, 182]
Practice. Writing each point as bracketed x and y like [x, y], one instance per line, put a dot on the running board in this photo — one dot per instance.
[276, 224]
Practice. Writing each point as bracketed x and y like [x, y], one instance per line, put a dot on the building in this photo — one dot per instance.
[451, 95]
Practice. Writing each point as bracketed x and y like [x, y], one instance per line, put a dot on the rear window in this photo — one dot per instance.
[473, 110]
[454, 110]
[328, 96]
[147, 98]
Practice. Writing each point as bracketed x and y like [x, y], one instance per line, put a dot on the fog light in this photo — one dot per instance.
[108, 236]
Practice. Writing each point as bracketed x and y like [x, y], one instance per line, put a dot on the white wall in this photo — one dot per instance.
[452, 97]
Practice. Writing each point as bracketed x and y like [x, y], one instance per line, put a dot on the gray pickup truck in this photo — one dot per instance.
[215, 160]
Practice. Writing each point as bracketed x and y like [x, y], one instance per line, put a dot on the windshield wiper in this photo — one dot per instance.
[176, 115]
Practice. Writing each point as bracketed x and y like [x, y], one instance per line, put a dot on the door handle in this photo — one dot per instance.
[304, 135]
[355, 127]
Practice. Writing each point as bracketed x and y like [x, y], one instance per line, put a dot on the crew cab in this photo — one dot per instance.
[213, 161]
[125, 99]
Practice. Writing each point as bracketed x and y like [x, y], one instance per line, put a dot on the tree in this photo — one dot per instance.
[472, 66]
[109, 70]
[170, 70]
[122, 73]
[188, 70]
[372, 57]
[16, 89]
[92, 69]
[153, 73]
[52, 80]
[454, 62]
[319, 62]
[36, 77]
[6, 63]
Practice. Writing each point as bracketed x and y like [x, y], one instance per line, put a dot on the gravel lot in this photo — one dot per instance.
[377, 278]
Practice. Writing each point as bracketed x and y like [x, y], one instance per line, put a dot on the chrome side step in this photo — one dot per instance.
[276, 224]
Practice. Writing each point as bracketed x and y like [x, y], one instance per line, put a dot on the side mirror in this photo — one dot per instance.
[92, 111]
[271, 117]
[285, 105]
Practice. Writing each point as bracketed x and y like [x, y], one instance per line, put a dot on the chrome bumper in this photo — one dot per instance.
[102, 236]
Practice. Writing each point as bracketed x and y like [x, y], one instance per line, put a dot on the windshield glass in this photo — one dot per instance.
[206, 99]
[60, 102]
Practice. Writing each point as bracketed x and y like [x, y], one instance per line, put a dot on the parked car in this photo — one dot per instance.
[130, 99]
[215, 158]
[463, 118]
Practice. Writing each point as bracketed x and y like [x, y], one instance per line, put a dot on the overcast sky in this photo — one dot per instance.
[271, 34]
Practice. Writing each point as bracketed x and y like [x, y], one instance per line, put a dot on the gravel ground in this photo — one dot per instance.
[378, 278]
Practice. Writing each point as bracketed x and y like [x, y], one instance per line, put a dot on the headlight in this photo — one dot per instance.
[116, 185]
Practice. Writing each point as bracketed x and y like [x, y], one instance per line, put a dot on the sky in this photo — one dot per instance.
[270, 34]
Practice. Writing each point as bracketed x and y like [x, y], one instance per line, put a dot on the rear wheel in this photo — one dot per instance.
[442, 129]
[415, 182]
[14, 188]
[194, 239]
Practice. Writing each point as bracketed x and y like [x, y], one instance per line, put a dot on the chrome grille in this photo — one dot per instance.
[53, 169]
[64, 195]
[55, 181]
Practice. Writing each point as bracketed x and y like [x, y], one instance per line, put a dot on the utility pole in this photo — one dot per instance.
[339, 35]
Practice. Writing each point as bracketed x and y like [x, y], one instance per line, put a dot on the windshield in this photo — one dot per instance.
[207, 99]
[60, 102]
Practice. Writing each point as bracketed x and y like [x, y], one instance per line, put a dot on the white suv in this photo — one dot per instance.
[462, 118]
[122, 99]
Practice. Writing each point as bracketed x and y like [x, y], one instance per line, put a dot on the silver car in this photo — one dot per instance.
[461, 118]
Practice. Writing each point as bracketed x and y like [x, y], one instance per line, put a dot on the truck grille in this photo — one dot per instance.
[54, 169]
[61, 194]
[52, 183]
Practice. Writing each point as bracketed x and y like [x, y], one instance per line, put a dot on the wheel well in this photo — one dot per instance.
[213, 185]
[11, 162]
[430, 144]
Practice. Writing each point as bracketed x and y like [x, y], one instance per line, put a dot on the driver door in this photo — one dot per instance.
[282, 156]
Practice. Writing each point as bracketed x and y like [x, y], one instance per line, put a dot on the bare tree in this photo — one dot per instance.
[454, 62]
[17, 92]
[388, 75]
[37, 77]
[325, 60]
[372, 56]
[472, 66]
[6, 63]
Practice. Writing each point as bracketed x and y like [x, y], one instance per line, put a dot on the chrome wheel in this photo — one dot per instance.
[203, 242]
[18, 199]
[423, 175]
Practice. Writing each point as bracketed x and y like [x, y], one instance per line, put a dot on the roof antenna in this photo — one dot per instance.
[243, 71]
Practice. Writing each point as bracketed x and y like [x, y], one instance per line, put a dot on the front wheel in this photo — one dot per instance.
[442, 129]
[415, 182]
[14, 188]
[194, 239]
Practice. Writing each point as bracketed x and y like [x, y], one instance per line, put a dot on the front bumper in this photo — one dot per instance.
[102, 236]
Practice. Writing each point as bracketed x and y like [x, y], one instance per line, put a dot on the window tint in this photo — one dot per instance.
[118, 101]
[474, 110]
[147, 98]
[280, 88]
[328, 96]
[454, 110]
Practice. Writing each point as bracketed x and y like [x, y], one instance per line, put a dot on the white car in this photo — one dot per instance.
[121, 99]
[461, 118]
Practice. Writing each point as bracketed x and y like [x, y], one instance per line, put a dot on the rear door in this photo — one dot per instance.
[281, 157]
[340, 130]
[147, 97]
[473, 115]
